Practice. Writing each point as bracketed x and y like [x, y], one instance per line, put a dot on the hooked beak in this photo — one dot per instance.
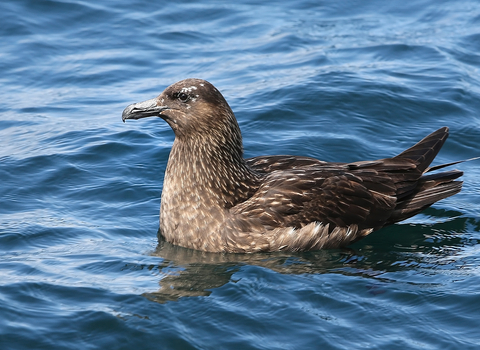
[143, 109]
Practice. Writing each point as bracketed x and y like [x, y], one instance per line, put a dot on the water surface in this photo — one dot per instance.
[80, 263]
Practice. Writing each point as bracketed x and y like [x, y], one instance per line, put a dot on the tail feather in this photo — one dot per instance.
[431, 187]
[424, 199]
[443, 177]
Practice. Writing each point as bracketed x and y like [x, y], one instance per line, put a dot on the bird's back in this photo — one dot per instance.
[361, 196]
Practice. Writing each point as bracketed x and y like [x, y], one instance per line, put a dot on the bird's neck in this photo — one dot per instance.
[202, 182]
[213, 173]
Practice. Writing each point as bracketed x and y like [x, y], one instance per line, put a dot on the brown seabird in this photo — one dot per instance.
[215, 200]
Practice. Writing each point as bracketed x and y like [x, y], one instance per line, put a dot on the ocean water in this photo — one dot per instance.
[81, 266]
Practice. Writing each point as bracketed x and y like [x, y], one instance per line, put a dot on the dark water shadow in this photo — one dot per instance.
[190, 273]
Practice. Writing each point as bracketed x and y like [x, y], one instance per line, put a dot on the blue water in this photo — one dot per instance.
[80, 263]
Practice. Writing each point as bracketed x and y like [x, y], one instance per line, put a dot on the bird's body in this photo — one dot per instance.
[215, 200]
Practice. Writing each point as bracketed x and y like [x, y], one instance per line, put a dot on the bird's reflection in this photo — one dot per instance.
[187, 272]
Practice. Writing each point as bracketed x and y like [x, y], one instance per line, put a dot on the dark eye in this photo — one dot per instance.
[183, 97]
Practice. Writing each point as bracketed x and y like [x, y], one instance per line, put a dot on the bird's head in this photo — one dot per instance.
[193, 108]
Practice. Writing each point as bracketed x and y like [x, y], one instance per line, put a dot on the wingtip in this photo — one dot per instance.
[425, 150]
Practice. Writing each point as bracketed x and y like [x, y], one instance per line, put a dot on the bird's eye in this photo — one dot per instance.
[183, 97]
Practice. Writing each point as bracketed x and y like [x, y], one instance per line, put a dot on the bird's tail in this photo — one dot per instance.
[431, 187]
